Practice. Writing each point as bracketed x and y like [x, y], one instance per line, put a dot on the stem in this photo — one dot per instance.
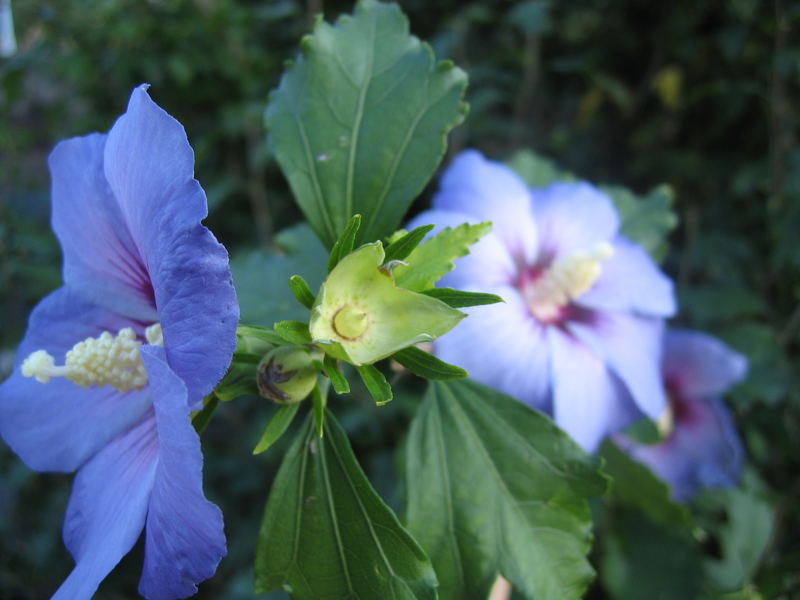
[501, 590]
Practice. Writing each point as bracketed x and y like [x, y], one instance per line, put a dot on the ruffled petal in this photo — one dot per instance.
[490, 191]
[504, 347]
[107, 508]
[57, 426]
[631, 281]
[631, 347]
[101, 260]
[185, 539]
[488, 263]
[703, 450]
[572, 217]
[697, 365]
[589, 402]
[150, 168]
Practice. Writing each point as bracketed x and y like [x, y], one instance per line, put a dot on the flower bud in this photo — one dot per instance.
[286, 374]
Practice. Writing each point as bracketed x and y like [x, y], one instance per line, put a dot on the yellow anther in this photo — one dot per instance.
[565, 280]
[666, 422]
[104, 360]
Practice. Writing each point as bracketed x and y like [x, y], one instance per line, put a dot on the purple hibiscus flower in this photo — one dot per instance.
[579, 335]
[700, 447]
[143, 328]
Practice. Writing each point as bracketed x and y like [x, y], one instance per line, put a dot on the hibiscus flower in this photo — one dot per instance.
[579, 334]
[113, 362]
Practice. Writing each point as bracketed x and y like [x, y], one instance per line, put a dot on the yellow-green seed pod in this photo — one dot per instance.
[286, 374]
[361, 316]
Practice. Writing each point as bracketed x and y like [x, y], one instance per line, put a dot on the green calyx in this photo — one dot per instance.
[286, 374]
[361, 316]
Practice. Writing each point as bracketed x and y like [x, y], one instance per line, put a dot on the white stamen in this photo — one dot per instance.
[104, 360]
[565, 280]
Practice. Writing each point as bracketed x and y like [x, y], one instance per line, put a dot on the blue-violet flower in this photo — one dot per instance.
[113, 362]
[579, 334]
[700, 446]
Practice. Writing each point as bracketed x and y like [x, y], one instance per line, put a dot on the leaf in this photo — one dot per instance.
[202, 418]
[648, 219]
[427, 365]
[432, 260]
[537, 171]
[635, 485]
[402, 247]
[460, 299]
[359, 121]
[319, 400]
[338, 380]
[495, 487]
[299, 287]
[327, 534]
[743, 533]
[344, 245]
[641, 559]
[376, 383]
[277, 426]
[294, 332]
[260, 276]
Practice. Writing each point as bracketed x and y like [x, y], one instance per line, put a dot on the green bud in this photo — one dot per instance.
[361, 316]
[286, 375]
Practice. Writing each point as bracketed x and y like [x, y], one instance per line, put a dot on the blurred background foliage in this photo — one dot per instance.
[701, 96]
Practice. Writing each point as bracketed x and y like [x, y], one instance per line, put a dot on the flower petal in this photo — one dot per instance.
[488, 262]
[185, 539]
[149, 165]
[107, 508]
[589, 402]
[490, 191]
[697, 365]
[631, 347]
[703, 451]
[101, 260]
[57, 426]
[630, 280]
[502, 346]
[573, 216]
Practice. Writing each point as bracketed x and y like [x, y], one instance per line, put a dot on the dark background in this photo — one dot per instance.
[702, 96]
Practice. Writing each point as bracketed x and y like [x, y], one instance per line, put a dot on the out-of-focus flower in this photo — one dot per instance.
[700, 447]
[113, 362]
[579, 335]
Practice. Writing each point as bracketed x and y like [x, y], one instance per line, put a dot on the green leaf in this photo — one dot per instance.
[359, 121]
[203, 417]
[427, 365]
[635, 485]
[376, 384]
[327, 534]
[537, 171]
[294, 332]
[459, 299]
[277, 426]
[641, 559]
[495, 487]
[338, 380]
[259, 276]
[299, 287]
[402, 247]
[319, 400]
[648, 219]
[743, 532]
[432, 260]
[240, 380]
[344, 245]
